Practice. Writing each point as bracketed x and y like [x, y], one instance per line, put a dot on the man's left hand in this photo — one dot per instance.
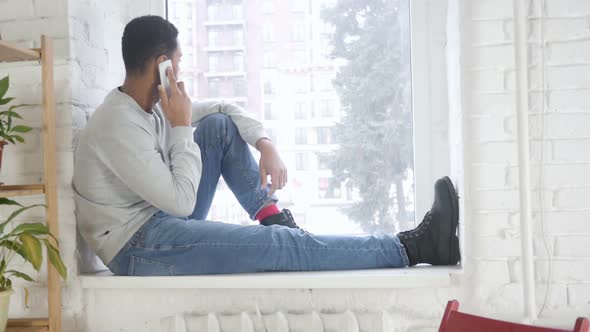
[271, 164]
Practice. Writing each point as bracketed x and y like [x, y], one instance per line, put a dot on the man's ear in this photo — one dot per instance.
[161, 59]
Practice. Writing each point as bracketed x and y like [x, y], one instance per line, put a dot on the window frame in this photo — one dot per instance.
[426, 39]
[427, 20]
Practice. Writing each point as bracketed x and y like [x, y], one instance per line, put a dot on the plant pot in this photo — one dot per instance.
[2, 144]
[4, 305]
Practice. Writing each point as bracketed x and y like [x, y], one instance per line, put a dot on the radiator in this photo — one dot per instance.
[347, 321]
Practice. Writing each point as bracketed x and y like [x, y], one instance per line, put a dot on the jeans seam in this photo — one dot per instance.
[401, 250]
[220, 244]
[261, 199]
[133, 259]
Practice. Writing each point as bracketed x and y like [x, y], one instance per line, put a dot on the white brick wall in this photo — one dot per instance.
[494, 170]
[89, 64]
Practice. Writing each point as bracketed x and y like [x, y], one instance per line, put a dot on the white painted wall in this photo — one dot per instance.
[87, 34]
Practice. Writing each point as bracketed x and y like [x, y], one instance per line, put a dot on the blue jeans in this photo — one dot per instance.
[167, 245]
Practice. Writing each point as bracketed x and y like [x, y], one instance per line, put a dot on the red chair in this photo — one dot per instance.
[455, 321]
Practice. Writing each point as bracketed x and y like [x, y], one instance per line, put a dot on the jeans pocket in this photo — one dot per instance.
[139, 266]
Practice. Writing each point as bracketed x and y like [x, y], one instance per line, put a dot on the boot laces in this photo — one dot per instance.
[421, 229]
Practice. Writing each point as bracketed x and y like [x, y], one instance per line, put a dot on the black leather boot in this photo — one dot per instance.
[435, 240]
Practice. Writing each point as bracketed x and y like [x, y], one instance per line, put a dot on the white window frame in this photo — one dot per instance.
[429, 91]
[429, 99]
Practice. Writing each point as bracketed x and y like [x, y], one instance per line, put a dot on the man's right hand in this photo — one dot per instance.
[177, 106]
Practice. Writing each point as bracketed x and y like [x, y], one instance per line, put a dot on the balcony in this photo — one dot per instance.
[239, 73]
[224, 22]
[225, 48]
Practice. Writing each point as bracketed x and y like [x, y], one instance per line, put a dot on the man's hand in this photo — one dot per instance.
[177, 106]
[271, 164]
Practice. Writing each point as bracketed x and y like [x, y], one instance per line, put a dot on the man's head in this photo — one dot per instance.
[148, 41]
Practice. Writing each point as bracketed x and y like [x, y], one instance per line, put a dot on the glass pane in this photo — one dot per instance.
[332, 77]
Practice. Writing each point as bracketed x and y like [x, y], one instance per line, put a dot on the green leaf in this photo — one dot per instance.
[19, 105]
[18, 138]
[15, 214]
[22, 129]
[20, 275]
[11, 113]
[15, 246]
[6, 201]
[4, 86]
[10, 139]
[6, 101]
[35, 228]
[55, 259]
[32, 250]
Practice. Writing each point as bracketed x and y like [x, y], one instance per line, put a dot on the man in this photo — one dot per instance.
[144, 184]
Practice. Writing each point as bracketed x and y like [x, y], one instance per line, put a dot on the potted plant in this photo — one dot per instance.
[25, 240]
[9, 133]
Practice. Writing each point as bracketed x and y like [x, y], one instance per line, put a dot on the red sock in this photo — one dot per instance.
[268, 211]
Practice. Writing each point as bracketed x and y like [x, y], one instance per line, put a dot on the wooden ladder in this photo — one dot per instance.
[13, 53]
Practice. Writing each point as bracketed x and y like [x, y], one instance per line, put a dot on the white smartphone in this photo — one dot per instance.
[163, 77]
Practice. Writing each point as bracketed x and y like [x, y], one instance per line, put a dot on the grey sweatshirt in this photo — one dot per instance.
[130, 164]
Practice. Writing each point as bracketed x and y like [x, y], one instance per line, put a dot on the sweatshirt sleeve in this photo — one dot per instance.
[250, 129]
[129, 151]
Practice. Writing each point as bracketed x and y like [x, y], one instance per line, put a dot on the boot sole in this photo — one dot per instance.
[454, 252]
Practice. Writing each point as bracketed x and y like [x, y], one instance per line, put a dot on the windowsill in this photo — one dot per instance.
[415, 277]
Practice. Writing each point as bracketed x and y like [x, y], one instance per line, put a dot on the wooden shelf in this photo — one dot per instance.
[28, 325]
[12, 53]
[22, 190]
[28, 329]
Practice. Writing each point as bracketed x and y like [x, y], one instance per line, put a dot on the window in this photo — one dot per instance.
[239, 61]
[301, 161]
[189, 11]
[214, 87]
[214, 10]
[268, 7]
[323, 82]
[300, 84]
[326, 108]
[324, 135]
[328, 189]
[299, 58]
[325, 51]
[279, 62]
[189, 85]
[188, 37]
[269, 59]
[268, 33]
[301, 135]
[214, 62]
[237, 37]
[214, 37]
[298, 5]
[269, 88]
[270, 113]
[236, 11]
[299, 29]
[239, 87]
[323, 163]
[273, 135]
[300, 110]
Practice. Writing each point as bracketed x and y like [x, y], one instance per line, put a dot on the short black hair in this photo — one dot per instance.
[146, 37]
